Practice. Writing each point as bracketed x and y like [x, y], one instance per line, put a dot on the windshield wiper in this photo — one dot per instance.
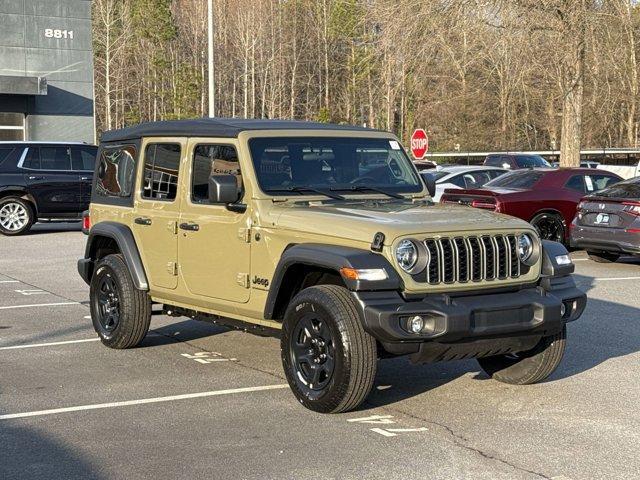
[365, 188]
[306, 188]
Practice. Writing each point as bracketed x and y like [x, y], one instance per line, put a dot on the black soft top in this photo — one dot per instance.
[215, 127]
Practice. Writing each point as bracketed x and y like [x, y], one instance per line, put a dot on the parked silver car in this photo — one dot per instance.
[461, 176]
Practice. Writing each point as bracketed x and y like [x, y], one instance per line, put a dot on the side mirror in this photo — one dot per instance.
[223, 189]
[431, 184]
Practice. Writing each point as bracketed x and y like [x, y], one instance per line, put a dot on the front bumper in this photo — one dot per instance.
[472, 325]
[601, 239]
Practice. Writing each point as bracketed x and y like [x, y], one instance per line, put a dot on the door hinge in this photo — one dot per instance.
[243, 280]
[172, 226]
[244, 234]
[172, 268]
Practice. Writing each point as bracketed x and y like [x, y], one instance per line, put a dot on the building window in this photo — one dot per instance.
[11, 127]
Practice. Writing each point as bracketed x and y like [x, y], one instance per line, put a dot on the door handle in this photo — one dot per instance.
[35, 177]
[192, 227]
[143, 221]
[84, 179]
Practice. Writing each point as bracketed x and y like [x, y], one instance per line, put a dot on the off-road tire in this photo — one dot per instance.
[528, 367]
[354, 350]
[603, 257]
[548, 219]
[27, 208]
[134, 305]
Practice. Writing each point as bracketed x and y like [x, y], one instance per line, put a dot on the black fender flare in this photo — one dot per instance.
[123, 237]
[331, 257]
[550, 266]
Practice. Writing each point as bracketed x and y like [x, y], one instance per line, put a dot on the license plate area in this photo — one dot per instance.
[485, 322]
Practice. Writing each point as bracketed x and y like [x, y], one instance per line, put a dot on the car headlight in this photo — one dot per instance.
[407, 255]
[525, 248]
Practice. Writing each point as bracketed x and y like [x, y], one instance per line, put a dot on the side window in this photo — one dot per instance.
[116, 169]
[161, 167]
[475, 179]
[494, 173]
[55, 158]
[493, 161]
[83, 158]
[32, 160]
[212, 160]
[576, 183]
[595, 183]
[458, 181]
[4, 153]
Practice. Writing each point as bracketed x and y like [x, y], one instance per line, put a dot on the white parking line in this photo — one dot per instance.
[615, 278]
[34, 305]
[9, 281]
[51, 344]
[142, 401]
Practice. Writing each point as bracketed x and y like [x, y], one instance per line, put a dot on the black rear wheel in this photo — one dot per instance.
[328, 358]
[603, 257]
[550, 226]
[120, 313]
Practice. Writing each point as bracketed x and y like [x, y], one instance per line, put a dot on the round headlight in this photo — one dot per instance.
[525, 247]
[407, 255]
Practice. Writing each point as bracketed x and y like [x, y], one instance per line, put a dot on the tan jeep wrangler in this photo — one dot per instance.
[326, 236]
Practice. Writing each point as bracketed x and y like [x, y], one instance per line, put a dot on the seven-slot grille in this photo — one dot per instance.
[471, 259]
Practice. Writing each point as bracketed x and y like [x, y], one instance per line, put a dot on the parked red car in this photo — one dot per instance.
[545, 197]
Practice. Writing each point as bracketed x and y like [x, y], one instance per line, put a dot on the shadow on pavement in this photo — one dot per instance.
[28, 453]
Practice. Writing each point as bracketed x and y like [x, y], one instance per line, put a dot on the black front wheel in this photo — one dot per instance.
[120, 313]
[329, 360]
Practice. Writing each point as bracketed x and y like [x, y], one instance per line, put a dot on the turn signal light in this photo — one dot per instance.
[371, 274]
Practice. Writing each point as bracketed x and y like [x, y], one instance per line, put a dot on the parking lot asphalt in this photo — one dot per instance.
[199, 400]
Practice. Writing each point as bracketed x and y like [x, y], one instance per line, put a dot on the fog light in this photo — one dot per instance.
[416, 324]
[563, 309]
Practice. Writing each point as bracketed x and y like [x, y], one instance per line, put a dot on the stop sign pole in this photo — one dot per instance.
[419, 144]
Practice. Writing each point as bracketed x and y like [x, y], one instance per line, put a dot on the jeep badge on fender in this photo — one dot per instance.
[345, 258]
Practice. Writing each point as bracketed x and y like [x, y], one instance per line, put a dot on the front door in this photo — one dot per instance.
[213, 243]
[157, 208]
[51, 180]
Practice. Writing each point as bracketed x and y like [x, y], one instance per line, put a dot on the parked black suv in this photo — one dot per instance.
[43, 180]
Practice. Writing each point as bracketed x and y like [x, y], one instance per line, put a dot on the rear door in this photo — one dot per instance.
[50, 179]
[83, 161]
[157, 208]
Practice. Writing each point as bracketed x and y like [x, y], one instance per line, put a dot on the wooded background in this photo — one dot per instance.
[478, 74]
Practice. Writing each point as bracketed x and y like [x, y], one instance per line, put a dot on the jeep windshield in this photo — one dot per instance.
[321, 165]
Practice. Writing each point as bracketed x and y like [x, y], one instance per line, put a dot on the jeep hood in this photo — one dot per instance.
[361, 220]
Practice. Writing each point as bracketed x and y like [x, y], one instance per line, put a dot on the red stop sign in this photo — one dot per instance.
[419, 144]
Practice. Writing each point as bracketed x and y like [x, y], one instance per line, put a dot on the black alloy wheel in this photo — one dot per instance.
[550, 226]
[120, 313]
[108, 303]
[312, 353]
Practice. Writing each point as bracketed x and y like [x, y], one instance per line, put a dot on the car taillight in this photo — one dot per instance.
[86, 222]
[486, 204]
[631, 207]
